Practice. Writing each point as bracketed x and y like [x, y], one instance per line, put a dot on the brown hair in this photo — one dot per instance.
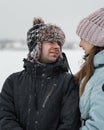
[87, 69]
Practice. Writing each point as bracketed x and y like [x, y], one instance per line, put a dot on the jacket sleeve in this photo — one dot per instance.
[95, 119]
[70, 115]
[8, 119]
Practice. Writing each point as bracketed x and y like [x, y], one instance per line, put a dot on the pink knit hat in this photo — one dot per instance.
[91, 28]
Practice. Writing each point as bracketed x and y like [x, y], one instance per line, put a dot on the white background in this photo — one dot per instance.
[16, 15]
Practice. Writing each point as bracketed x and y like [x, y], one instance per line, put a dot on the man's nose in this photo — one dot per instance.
[56, 45]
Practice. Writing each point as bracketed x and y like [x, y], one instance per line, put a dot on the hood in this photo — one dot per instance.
[99, 59]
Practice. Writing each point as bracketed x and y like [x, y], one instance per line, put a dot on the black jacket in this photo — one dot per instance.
[41, 97]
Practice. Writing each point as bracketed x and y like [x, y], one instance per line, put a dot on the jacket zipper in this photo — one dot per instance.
[47, 97]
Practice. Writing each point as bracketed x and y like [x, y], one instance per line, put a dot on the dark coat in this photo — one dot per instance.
[41, 97]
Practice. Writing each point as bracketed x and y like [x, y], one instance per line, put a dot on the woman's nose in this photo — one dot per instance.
[80, 44]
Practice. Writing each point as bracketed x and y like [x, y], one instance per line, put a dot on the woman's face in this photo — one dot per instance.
[86, 46]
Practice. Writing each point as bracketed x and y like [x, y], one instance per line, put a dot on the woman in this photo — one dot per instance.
[91, 75]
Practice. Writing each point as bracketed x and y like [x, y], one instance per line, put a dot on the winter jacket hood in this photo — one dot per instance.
[99, 59]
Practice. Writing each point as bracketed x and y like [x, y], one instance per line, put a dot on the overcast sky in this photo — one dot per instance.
[16, 15]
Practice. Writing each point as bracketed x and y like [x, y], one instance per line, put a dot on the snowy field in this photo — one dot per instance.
[11, 61]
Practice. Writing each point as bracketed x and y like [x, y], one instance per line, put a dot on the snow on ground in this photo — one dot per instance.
[12, 61]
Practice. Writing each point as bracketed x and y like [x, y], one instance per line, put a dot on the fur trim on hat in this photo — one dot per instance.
[39, 33]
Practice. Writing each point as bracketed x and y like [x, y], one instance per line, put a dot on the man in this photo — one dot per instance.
[44, 95]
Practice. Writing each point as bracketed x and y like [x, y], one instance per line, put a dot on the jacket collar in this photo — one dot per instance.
[52, 68]
[99, 59]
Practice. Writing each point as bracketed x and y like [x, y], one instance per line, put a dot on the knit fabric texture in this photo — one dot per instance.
[91, 28]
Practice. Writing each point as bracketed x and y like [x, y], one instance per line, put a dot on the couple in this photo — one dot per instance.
[45, 96]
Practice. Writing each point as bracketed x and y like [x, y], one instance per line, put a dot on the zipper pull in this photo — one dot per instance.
[49, 94]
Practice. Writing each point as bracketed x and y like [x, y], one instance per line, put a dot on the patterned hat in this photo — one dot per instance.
[39, 33]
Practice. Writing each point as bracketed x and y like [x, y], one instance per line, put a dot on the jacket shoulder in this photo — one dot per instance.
[70, 83]
[15, 75]
[12, 78]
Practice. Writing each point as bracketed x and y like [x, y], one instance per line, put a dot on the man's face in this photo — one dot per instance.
[50, 52]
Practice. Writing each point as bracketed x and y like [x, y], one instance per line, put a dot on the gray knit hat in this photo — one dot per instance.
[39, 33]
[91, 28]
